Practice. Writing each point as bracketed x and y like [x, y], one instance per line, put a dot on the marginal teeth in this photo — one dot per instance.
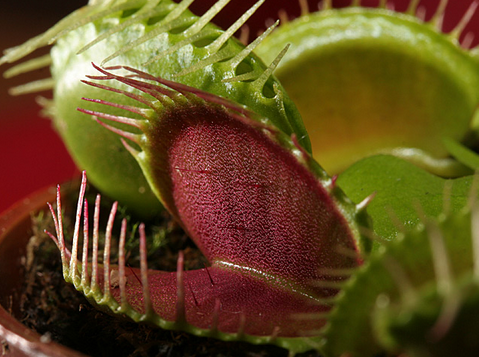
[457, 31]
[412, 8]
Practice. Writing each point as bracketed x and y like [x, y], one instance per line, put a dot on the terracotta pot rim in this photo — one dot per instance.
[16, 337]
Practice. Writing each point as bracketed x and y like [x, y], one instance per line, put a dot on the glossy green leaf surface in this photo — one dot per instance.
[402, 191]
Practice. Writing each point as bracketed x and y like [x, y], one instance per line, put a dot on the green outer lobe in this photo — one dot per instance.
[377, 81]
[110, 167]
[353, 326]
[400, 187]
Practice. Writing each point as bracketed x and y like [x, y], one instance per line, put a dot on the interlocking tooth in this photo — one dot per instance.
[136, 138]
[83, 20]
[468, 40]
[327, 4]
[121, 266]
[440, 259]
[106, 254]
[464, 21]
[33, 87]
[283, 16]
[303, 5]
[170, 22]
[263, 78]
[121, 119]
[144, 13]
[445, 284]
[94, 288]
[361, 206]
[244, 35]
[399, 275]
[412, 8]
[225, 36]
[214, 58]
[148, 36]
[189, 40]
[421, 13]
[236, 60]
[180, 290]
[144, 273]
[15, 53]
[206, 18]
[438, 16]
[86, 237]
[136, 97]
[74, 274]
[28, 66]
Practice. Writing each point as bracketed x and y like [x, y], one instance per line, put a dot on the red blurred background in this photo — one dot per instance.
[31, 154]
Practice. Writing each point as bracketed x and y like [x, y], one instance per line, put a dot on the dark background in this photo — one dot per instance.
[31, 155]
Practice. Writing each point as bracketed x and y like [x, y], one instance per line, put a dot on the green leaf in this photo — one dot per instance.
[401, 190]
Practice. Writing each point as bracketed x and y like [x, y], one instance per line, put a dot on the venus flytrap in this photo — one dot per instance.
[209, 133]
[270, 221]
[372, 80]
[165, 39]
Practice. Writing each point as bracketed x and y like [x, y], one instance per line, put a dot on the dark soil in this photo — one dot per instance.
[56, 310]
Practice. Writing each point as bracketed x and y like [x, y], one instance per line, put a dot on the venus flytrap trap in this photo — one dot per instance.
[164, 39]
[228, 176]
[372, 80]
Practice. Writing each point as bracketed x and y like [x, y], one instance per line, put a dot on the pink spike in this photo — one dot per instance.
[127, 135]
[144, 272]
[151, 89]
[132, 151]
[364, 203]
[130, 108]
[136, 97]
[185, 90]
[84, 270]
[180, 289]
[468, 40]
[119, 119]
[55, 222]
[106, 251]
[96, 223]
[53, 238]
[76, 231]
[61, 238]
[100, 78]
[121, 263]
[144, 87]
[334, 180]
[464, 21]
